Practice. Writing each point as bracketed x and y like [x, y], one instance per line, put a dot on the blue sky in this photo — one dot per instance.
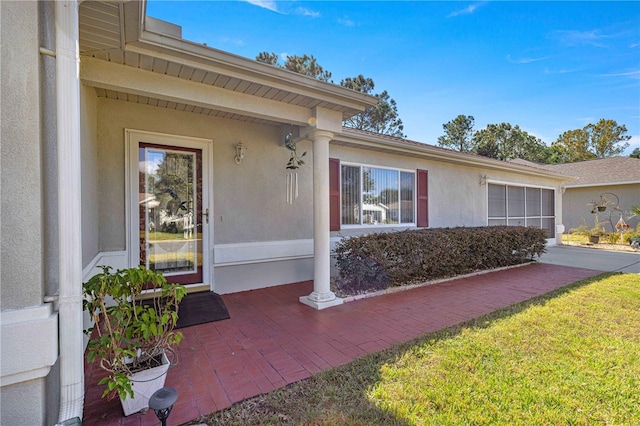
[545, 66]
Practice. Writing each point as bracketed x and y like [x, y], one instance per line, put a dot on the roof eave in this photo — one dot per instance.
[396, 145]
[593, 184]
[143, 41]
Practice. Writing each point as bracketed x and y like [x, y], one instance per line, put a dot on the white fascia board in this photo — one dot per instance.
[208, 59]
[427, 151]
[589, 185]
[111, 76]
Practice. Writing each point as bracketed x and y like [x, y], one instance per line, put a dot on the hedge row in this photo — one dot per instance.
[377, 261]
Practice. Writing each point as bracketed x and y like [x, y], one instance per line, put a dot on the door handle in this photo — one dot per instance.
[206, 215]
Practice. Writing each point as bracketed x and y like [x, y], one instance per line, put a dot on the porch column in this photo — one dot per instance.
[322, 297]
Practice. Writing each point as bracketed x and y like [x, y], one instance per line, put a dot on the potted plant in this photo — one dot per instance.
[134, 312]
[593, 234]
[600, 205]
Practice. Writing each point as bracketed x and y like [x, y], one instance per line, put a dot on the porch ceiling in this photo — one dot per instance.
[114, 32]
[178, 106]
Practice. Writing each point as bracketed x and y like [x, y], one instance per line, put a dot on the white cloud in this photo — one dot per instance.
[265, 4]
[562, 70]
[525, 60]
[272, 5]
[346, 22]
[467, 10]
[631, 74]
[307, 12]
[572, 38]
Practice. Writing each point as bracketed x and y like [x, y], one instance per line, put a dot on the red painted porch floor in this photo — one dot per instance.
[272, 339]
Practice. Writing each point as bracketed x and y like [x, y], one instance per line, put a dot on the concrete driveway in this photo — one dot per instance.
[599, 260]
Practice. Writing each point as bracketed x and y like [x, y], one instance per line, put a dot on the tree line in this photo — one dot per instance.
[381, 118]
[502, 141]
[506, 142]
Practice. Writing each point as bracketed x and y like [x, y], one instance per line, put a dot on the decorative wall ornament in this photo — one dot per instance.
[240, 151]
[295, 161]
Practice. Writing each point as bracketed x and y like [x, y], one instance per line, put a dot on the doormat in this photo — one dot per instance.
[200, 308]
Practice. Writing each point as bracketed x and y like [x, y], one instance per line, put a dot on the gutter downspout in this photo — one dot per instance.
[71, 350]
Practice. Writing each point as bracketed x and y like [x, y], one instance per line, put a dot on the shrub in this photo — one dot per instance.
[613, 237]
[377, 261]
[629, 235]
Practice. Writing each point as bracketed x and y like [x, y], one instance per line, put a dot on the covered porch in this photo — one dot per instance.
[141, 83]
[271, 340]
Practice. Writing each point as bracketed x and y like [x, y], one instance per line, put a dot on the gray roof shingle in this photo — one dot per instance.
[600, 171]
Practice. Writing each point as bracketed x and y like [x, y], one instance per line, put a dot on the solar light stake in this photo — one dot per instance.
[161, 402]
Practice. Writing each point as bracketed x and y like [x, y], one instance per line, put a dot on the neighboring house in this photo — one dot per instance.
[616, 179]
[121, 145]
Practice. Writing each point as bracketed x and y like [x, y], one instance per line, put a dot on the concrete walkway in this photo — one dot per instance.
[272, 340]
[600, 260]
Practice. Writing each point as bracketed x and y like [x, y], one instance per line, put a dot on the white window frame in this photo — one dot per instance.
[525, 217]
[391, 225]
[132, 140]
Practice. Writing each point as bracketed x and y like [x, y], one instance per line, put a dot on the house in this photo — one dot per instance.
[124, 144]
[613, 182]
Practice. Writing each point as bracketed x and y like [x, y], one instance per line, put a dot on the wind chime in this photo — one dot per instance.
[295, 161]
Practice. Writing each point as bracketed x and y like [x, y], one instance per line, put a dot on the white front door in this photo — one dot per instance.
[169, 206]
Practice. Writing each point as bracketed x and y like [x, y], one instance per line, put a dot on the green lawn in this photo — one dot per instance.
[571, 357]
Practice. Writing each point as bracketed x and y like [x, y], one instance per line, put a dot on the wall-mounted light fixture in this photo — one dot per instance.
[483, 180]
[240, 151]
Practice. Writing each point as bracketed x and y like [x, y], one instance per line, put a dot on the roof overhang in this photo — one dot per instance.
[117, 34]
[591, 185]
[393, 145]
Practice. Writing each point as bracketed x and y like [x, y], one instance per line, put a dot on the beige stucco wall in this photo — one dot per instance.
[577, 208]
[21, 242]
[249, 200]
[456, 197]
[90, 166]
[49, 149]
[25, 322]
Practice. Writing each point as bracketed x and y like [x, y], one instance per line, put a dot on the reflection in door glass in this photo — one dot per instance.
[168, 235]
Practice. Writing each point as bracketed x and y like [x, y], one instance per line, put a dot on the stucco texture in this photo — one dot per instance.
[456, 195]
[577, 208]
[249, 199]
[24, 402]
[90, 165]
[20, 158]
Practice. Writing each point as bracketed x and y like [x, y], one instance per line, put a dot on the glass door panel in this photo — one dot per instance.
[170, 187]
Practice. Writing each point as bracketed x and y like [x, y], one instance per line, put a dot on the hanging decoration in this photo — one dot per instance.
[622, 225]
[295, 161]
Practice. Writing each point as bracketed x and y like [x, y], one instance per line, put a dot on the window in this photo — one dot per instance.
[522, 206]
[376, 196]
